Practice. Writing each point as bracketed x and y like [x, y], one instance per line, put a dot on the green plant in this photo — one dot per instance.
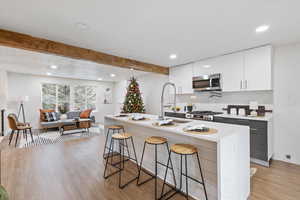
[3, 193]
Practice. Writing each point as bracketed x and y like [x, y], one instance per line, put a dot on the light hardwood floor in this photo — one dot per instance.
[73, 171]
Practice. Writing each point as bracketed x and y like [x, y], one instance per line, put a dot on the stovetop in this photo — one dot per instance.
[198, 115]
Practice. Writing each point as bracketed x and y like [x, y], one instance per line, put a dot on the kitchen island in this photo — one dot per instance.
[224, 156]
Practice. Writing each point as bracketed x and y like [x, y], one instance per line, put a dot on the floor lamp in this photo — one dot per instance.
[21, 108]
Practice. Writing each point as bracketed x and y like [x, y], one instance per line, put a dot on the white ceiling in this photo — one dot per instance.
[150, 30]
[28, 62]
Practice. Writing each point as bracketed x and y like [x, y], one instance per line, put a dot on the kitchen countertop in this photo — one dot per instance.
[224, 130]
[267, 117]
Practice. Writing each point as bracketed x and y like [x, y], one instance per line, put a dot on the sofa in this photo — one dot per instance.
[44, 124]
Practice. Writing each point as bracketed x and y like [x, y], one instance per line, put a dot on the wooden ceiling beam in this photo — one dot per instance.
[27, 42]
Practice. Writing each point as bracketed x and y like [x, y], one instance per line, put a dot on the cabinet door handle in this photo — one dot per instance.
[241, 84]
[246, 84]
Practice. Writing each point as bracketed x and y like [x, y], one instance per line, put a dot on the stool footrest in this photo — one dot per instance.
[164, 165]
[113, 173]
[175, 191]
[123, 186]
[117, 163]
[145, 181]
[193, 179]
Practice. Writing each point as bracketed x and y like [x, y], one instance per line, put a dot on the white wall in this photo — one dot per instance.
[119, 94]
[287, 102]
[30, 85]
[3, 89]
[150, 87]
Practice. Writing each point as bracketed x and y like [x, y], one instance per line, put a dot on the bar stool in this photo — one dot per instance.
[111, 129]
[154, 140]
[184, 150]
[121, 138]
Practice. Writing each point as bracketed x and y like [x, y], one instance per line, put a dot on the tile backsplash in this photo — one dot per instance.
[204, 101]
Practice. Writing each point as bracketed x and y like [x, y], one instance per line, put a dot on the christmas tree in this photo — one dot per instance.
[133, 101]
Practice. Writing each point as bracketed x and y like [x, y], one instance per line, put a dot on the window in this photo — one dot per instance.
[49, 96]
[56, 97]
[63, 98]
[84, 97]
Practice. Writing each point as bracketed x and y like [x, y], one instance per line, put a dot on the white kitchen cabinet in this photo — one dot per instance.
[258, 69]
[232, 72]
[204, 67]
[182, 77]
[229, 66]
[249, 70]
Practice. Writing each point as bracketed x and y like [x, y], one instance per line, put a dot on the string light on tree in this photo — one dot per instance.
[133, 102]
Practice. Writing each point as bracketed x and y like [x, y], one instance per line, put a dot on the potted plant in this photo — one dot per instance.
[63, 109]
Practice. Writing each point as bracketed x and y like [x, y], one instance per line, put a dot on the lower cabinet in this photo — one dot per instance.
[258, 136]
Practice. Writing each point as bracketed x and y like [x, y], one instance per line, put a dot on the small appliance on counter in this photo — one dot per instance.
[189, 108]
[253, 107]
[247, 110]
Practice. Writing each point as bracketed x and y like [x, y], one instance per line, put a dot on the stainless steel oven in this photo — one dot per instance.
[207, 82]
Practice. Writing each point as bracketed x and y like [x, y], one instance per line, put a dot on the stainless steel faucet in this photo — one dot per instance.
[162, 116]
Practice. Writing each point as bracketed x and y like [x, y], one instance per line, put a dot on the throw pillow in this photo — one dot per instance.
[50, 116]
[42, 114]
[86, 113]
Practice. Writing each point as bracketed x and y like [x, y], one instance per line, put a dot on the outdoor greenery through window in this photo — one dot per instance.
[58, 97]
[84, 97]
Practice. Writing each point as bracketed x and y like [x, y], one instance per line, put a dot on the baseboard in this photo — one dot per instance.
[260, 162]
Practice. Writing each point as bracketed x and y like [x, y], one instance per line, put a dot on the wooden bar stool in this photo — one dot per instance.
[183, 150]
[111, 129]
[154, 140]
[122, 139]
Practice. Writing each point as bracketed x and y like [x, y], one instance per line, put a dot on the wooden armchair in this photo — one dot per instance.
[17, 126]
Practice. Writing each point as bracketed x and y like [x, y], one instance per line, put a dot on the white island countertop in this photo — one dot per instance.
[224, 130]
[225, 155]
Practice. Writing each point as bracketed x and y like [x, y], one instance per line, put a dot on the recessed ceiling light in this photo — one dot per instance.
[206, 66]
[53, 67]
[262, 28]
[49, 74]
[131, 69]
[81, 26]
[99, 79]
[112, 75]
[173, 56]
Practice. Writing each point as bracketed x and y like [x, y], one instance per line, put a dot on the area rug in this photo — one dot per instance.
[50, 137]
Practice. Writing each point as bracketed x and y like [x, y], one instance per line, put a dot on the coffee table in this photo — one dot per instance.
[72, 124]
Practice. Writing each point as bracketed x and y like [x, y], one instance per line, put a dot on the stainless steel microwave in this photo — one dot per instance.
[207, 82]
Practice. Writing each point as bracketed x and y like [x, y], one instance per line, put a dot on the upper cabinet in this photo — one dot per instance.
[182, 77]
[249, 70]
[258, 69]
[231, 70]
